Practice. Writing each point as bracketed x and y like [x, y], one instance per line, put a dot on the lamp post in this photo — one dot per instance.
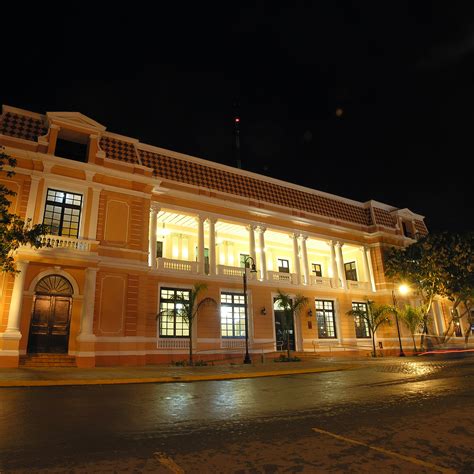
[253, 270]
[403, 289]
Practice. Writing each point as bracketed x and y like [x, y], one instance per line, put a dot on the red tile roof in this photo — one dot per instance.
[196, 174]
[120, 150]
[190, 172]
[22, 126]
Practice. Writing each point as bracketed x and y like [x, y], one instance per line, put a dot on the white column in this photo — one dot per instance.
[263, 256]
[88, 302]
[296, 258]
[252, 252]
[94, 216]
[335, 272]
[368, 267]
[212, 246]
[30, 208]
[304, 256]
[340, 265]
[200, 222]
[439, 318]
[16, 303]
[154, 209]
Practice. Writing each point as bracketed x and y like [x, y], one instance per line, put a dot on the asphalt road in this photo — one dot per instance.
[393, 415]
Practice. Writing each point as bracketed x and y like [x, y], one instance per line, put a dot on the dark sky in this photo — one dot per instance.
[402, 73]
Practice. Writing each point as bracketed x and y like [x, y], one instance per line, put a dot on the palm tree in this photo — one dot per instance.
[290, 307]
[187, 308]
[413, 319]
[375, 316]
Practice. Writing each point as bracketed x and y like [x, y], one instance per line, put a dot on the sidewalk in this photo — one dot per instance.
[41, 377]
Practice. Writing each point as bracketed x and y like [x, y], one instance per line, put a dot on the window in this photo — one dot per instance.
[317, 269]
[62, 213]
[72, 150]
[159, 249]
[283, 265]
[326, 319]
[407, 230]
[351, 271]
[232, 315]
[172, 323]
[243, 256]
[361, 326]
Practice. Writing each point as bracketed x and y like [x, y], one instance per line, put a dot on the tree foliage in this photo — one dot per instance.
[188, 309]
[376, 315]
[14, 231]
[412, 318]
[290, 307]
[440, 264]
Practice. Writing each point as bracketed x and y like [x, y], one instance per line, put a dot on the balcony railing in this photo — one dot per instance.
[228, 271]
[180, 266]
[358, 285]
[173, 343]
[232, 343]
[71, 243]
[282, 276]
[322, 281]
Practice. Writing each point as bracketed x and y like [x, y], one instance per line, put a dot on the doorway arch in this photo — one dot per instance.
[51, 317]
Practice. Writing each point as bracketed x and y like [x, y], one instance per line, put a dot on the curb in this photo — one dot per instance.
[169, 379]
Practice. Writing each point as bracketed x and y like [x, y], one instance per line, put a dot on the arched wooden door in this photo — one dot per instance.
[49, 328]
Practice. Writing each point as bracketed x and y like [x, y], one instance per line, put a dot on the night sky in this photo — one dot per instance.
[363, 100]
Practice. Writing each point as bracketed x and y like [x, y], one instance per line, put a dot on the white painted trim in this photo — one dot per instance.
[55, 271]
[9, 353]
[94, 213]
[124, 249]
[101, 301]
[125, 339]
[169, 352]
[67, 186]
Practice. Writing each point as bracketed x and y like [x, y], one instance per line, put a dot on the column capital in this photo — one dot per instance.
[303, 237]
[260, 229]
[22, 263]
[155, 207]
[339, 244]
[250, 227]
[212, 220]
[200, 218]
[294, 235]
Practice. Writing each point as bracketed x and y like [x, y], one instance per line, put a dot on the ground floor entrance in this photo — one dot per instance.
[284, 330]
[50, 320]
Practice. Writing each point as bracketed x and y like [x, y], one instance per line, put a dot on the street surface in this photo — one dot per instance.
[391, 415]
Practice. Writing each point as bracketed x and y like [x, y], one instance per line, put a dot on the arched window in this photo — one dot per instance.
[55, 285]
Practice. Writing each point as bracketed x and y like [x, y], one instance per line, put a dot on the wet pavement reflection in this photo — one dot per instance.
[71, 421]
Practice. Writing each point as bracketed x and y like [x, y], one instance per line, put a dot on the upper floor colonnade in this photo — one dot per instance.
[186, 242]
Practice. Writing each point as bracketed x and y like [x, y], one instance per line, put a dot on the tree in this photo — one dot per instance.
[412, 317]
[457, 255]
[14, 231]
[290, 306]
[440, 264]
[188, 308]
[375, 316]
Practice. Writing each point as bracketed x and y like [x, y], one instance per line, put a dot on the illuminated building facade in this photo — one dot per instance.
[131, 225]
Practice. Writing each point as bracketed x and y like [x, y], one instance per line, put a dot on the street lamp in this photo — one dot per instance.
[253, 270]
[403, 290]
